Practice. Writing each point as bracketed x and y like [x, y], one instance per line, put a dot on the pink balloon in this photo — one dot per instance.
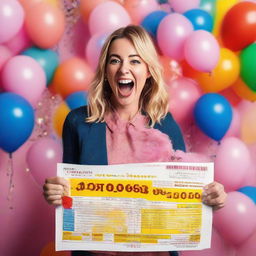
[108, 16]
[248, 248]
[232, 163]
[183, 92]
[93, 48]
[218, 247]
[234, 128]
[19, 42]
[24, 76]
[202, 51]
[172, 32]
[236, 221]
[42, 159]
[5, 54]
[184, 5]
[11, 19]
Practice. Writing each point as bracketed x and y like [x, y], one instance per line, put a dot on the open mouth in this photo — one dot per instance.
[125, 87]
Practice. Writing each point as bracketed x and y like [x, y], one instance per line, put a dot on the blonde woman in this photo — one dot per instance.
[126, 120]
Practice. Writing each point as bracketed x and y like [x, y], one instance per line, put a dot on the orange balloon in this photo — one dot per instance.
[243, 91]
[49, 250]
[29, 3]
[71, 76]
[45, 24]
[223, 75]
[59, 117]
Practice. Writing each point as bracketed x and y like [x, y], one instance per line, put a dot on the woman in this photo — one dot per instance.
[127, 119]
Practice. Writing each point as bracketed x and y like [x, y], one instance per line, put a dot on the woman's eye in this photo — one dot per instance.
[135, 61]
[114, 61]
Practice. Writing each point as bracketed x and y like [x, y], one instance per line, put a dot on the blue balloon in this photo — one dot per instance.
[200, 19]
[16, 119]
[48, 60]
[249, 191]
[152, 21]
[213, 115]
[77, 99]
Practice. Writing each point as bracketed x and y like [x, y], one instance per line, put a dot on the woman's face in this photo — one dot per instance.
[126, 73]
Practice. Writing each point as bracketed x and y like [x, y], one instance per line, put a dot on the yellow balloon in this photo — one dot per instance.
[59, 117]
[53, 2]
[222, 6]
[243, 91]
[248, 125]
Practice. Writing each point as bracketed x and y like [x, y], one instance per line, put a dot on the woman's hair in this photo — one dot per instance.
[153, 99]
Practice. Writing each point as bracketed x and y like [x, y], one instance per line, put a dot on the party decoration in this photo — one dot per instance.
[77, 99]
[45, 24]
[213, 115]
[202, 51]
[47, 58]
[249, 191]
[248, 65]
[182, 92]
[138, 10]
[243, 91]
[236, 221]
[232, 163]
[172, 32]
[152, 21]
[86, 8]
[182, 6]
[71, 76]
[200, 19]
[5, 54]
[221, 77]
[248, 248]
[209, 6]
[11, 19]
[24, 76]
[248, 125]
[108, 16]
[42, 158]
[239, 26]
[17, 121]
[231, 96]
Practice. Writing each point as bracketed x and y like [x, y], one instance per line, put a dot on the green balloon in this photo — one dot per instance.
[248, 66]
[209, 6]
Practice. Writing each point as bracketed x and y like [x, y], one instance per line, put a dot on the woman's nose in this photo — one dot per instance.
[124, 68]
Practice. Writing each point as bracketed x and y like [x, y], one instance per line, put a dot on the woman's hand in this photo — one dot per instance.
[214, 195]
[54, 189]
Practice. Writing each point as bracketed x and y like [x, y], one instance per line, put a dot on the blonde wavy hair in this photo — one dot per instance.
[153, 99]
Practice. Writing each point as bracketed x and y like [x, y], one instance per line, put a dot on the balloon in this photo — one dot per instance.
[30, 3]
[71, 76]
[93, 48]
[249, 191]
[232, 163]
[243, 91]
[172, 32]
[182, 92]
[248, 125]
[19, 42]
[234, 128]
[5, 54]
[236, 221]
[231, 96]
[152, 21]
[24, 76]
[222, 76]
[42, 158]
[11, 19]
[248, 248]
[213, 115]
[183, 5]
[138, 10]
[200, 19]
[59, 117]
[239, 26]
[47, 58]
[45, 24]
[248, 65]
[221, 9]
[209, 6]
[202, 51]
[108, 16]
[17, 121]
[77, 99]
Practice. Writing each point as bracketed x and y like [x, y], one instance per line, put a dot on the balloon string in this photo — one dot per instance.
[10, 174]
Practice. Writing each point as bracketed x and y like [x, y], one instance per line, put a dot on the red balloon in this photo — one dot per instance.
[239, 26]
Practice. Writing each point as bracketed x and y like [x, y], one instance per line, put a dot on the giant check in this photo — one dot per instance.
[134, 207]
